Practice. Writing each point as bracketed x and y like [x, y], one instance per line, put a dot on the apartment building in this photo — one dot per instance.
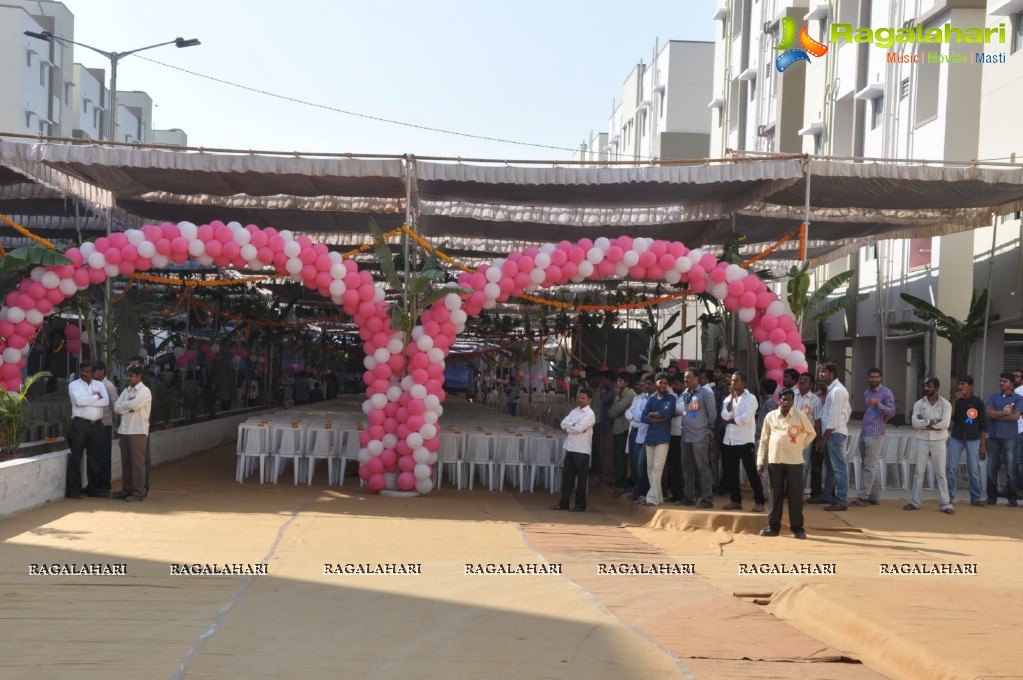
[661, 113]
[907, 101]
[48, 93]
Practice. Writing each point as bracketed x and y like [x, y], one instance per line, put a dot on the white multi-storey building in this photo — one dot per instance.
[47, 93]
[662, 113]
[903, 101]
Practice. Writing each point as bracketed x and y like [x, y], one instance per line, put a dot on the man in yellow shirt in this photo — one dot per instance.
[786, 433]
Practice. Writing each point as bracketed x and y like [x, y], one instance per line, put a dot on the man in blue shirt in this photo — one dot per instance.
[657, 413]
[697, 425]
[1003, 409]
[880, 407]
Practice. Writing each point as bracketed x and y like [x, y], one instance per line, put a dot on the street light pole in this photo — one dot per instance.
[114, 58]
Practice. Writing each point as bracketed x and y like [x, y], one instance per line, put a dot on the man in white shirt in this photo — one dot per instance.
[635, 416]
[931, 418]
[134, 406]
[578, 447]
[88, 397]
[739, 413]
[835, 421]
[813, 462]
[1017, 384]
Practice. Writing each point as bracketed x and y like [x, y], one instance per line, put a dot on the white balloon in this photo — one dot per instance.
[179, 352]
[292, 248]
[436, 355]
[68, 287]
[369, 361]
[375, 447]
[422, 471]
[432, 402]
[630, 258]
[672, 276]
[112, 270]
[430, 417]
[421, 455]
[293, 266]
[205, 260]
[11, 356]
[407, 383]
[640, 245]
[782, 350]
[548, 248]
[50, 280]
[603, 243]
[719, 290]
[215, 348]
[621, 270]
[379, 401]
[364, 456]
[188, 230]
[458, 317]
[337, 288]
[146, 249]
[746, 314]
[424, 486]
[586, 269]
[84, 337]
[15, 314]
[492, 290]
[390, 440]
[542, 260]
[378, 294]
[335, 257]
[417, 333]
[34, 317]
[135, 236]
[494, 274]
[87, 249]
[734, 272]
[381, 355]
[97, 261]
[414, 440]
[234, 225]
[433, 458]
[160, 261]
[767, 348]
[578, 278]
[796, 358]
[537, 276]
[595, 255]
[249, 252]
[286, 235]
[367, 407]
[425, 343]
[418, 392]
[428, 430]
[394, 393]
[196, 248]
[452, 301]
[631, 368]
[337, 270]
[242, 237]
[776, 308]
[394, 345]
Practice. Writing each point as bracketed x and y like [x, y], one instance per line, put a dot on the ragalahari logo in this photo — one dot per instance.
[807, 45]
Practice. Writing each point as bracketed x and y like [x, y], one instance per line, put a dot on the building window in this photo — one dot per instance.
[1017, 32]
[869, 251]
[919, 253]
[42, 73]
[876, 112]
[752, 89]
[28, 120]
[85, 105]
[28, 59]
[67, 94]
[818, 144]
[662, 97]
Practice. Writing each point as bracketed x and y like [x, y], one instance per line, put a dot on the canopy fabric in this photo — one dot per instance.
[502, 205]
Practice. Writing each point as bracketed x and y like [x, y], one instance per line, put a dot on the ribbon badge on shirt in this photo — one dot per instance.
[970, 415]
[694, 406]
[1008, 408]
[805, 408]
[793, 432]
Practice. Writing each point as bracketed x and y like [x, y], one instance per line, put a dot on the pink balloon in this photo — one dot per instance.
[17, 342]
[764, 299]
[786, 323]
[614, 254]
[388, 457]
[697, 272]
[7, 329]
[771, 361]
[375, 465]
[769, 322]
[708, 262]
[775, 375]
[655, 273]
[214, 248]
[759, 334]
[559, 257]
[697, 285]
[793, 338]
[776, 336]
[746, 299]
[406, 464]
[406, 481]
[736, 289]
[731, 303]
[647, 259]
[307, 256]
[717, 275]
[605, 269]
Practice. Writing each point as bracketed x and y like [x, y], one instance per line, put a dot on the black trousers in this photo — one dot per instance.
[673, 467]
[786, 483]
[816, 471]
[731, 458]
[89, 438]
[574, 472]
[620, 455]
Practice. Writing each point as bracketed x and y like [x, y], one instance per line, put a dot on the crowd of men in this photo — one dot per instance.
[682, 437]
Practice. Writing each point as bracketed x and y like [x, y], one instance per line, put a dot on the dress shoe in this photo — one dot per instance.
[835, 507]
[732, 506]
[120, 495]
[705, 505]
[817, 500]
[909, 506]
[134, 499]
[949, 511]
[685, 502]
[99, 494]
[559, 507]
[759, 507]
[768, 532]
[799, 534]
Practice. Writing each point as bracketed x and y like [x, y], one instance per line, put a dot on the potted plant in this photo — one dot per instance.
[15, 417]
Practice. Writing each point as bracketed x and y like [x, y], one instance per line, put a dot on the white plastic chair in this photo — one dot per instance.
[287, 441]
[890, 457]
[511, 452]
[253, 444]
[542, 455]
[479, 451]
[450, 453]
[347, 449]
[321, 443]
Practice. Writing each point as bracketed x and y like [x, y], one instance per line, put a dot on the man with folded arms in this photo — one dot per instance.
[835, 421]
[739, 413]
[133, 405]
[1002, 410]
[578, 447]
[931, 418]
[88, 397]
[785, 435]
[700, 415]
[657, 414]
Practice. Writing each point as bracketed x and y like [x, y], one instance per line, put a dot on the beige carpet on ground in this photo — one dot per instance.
[299, 622]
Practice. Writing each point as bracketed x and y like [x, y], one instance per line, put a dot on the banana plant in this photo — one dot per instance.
[816, 307]
[15, 418]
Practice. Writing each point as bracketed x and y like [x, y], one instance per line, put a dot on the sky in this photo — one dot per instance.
[532, 71]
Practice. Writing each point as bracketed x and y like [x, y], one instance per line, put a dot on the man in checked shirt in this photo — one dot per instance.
[880, 407]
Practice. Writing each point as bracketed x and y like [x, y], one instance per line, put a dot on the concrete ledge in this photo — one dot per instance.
[27, 483]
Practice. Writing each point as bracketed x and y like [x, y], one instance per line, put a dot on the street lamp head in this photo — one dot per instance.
[45, 35]
[181, 42]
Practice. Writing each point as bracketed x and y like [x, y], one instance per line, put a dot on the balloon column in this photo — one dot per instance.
[404, 376]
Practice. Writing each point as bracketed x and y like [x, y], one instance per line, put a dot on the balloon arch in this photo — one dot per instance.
[403, 411]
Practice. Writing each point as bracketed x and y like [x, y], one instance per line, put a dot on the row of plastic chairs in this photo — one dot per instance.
[520, 455]
[300, 442]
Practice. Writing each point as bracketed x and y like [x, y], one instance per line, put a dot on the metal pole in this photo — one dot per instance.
[987, 306]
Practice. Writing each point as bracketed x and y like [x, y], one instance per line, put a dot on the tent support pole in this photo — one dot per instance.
[987, 306]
